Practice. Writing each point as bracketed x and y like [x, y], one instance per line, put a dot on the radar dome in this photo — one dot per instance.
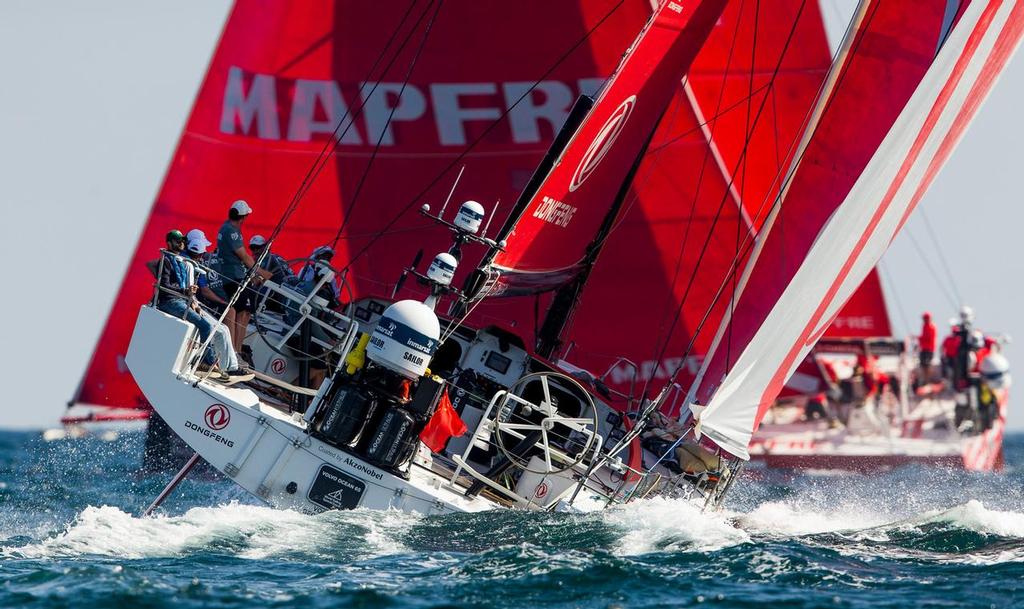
[470, 215]
[442, 269]
[405, 338]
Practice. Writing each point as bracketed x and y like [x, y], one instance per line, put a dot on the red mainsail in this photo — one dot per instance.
[284, 73]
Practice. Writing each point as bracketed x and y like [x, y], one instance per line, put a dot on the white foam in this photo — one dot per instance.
[250, 531]
[975, 516]
[662, 525]
[787, 518]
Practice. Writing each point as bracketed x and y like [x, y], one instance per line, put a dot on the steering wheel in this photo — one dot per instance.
[516, 417]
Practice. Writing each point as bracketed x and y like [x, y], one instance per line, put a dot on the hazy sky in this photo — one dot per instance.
[96, 93]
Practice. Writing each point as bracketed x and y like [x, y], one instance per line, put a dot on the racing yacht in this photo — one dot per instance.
[544, 438]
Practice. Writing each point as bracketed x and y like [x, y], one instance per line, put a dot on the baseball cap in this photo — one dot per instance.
[197, 241]
[175, 235]
[257, 240]
[241, 207]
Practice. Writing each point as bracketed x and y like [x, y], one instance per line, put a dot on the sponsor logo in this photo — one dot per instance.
[426, 348]
[554, 212]
[366, 469]
[854, 322]
[333, 489]
[216, 437]
[271, 107]
[602, 142]
[541, 491]
[675, 7]
[217, 417]
[349, 461]
[278, 365]
[402, 334]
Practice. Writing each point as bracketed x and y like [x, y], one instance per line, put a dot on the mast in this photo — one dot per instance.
[549, 335]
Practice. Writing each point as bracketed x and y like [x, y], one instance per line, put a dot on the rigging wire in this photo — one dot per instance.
[743, 180]
[350, 115]
[486, 131]
[350, 209]
[320, 162]
[693, 202]
[778, 200]
[889, 287]
[942, 254]
[950, 298]
[717, 217]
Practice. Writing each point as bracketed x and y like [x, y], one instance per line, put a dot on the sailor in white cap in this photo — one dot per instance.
[227, 359]
[235, 262]
[211, 285]
[274, 264]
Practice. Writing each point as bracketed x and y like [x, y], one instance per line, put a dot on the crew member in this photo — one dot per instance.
[950, 345]
[926, 343]
[309, 277]
[211, 285]
[235, 263]
[176, 296]
[314, 270]
[969, 341]
[272, 262]
[277, 266]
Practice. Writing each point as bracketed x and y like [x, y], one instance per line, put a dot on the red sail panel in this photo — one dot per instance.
[663, 256]
[907, 85]
[550, 241]
[285, 72]
[864, 315]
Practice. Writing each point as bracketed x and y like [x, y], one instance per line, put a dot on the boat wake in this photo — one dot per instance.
[969, 532]
[234, 529]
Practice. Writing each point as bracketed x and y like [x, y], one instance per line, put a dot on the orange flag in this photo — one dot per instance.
[444, 425]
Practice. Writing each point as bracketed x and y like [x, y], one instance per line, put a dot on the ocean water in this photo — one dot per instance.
[70, 536]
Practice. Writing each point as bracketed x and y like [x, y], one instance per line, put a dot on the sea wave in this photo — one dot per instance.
[235, 529]
[666, 525]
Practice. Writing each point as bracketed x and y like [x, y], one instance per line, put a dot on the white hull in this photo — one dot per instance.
[263, 450]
